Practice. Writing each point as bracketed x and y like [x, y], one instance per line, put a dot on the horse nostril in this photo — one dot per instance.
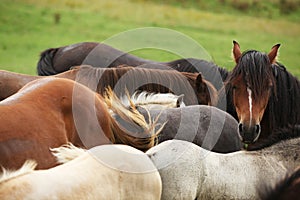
[240, 127]
[257, 128]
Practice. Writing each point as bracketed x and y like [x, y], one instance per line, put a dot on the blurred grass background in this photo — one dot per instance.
[28, 27]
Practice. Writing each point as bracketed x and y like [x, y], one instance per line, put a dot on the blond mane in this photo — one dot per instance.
[132, 115]
[27, 167]
[66, 152]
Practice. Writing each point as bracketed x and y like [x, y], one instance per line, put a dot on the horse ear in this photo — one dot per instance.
[179, 100]
[199, 79]
[236, 51]
[200, 83]
[273, 53]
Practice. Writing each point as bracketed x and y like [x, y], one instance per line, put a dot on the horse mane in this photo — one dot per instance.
[144, 98]
[45, 64]
[273, 193]
[131, 119]
[27, 167]
[66, 152]
[153, 80]
[284, 107]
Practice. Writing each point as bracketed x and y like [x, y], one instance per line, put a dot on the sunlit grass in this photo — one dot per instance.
[27, 27]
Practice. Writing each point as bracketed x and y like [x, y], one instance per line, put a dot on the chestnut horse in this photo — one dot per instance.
[49, 112]
[103, 172]
[263, 95]
[11, 82]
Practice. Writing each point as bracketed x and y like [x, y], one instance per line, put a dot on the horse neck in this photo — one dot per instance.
[13, 82]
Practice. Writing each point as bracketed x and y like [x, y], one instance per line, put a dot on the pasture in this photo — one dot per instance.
[28, 27]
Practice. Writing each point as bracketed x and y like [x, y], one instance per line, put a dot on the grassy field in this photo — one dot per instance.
[27, 27]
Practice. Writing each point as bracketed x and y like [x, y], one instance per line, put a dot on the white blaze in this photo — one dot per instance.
[250, 103]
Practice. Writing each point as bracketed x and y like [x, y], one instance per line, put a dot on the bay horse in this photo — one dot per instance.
[103, 172]
[191, 172]
[205, 126]
[49, 112]
[285, 189]
[263, 96]
[193, 86]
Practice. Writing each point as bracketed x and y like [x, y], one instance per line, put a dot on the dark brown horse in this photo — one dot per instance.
[196, 89]
[263, 96]
[56, 60]
[50, 112]
[60, 59]
[287, 189]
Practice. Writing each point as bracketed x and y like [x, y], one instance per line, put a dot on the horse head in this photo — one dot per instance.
[251, 84]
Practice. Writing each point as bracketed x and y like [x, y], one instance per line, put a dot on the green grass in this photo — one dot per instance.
[27, 27]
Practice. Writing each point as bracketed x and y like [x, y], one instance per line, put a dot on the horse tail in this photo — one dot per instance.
[129, 126]
[45, 63]
[66, 153]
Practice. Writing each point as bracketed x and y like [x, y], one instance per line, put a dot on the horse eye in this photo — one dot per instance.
[234, 87]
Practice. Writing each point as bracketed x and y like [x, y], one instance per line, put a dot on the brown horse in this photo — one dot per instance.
[286, 189]
[263, 95]
[56, 60]
[195, 88]
[49, 112]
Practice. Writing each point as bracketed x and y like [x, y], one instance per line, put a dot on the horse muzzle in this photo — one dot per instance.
[249, 134]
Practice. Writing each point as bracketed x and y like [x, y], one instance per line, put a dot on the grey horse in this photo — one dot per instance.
[206, 126]
[191, 172]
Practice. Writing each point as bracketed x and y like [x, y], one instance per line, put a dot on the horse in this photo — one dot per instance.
[103, 172]
[11, 82]
[263, 96]
[205, 126]
[191, 172]
[49, 112]
[56, 60]
[285, 189]
[134, 79]
[193, 86]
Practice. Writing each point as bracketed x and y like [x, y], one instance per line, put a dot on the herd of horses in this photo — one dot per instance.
[142, 129]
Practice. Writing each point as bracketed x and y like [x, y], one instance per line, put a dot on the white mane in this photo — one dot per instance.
[66, 153]
[153, 100]
[27, 167]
